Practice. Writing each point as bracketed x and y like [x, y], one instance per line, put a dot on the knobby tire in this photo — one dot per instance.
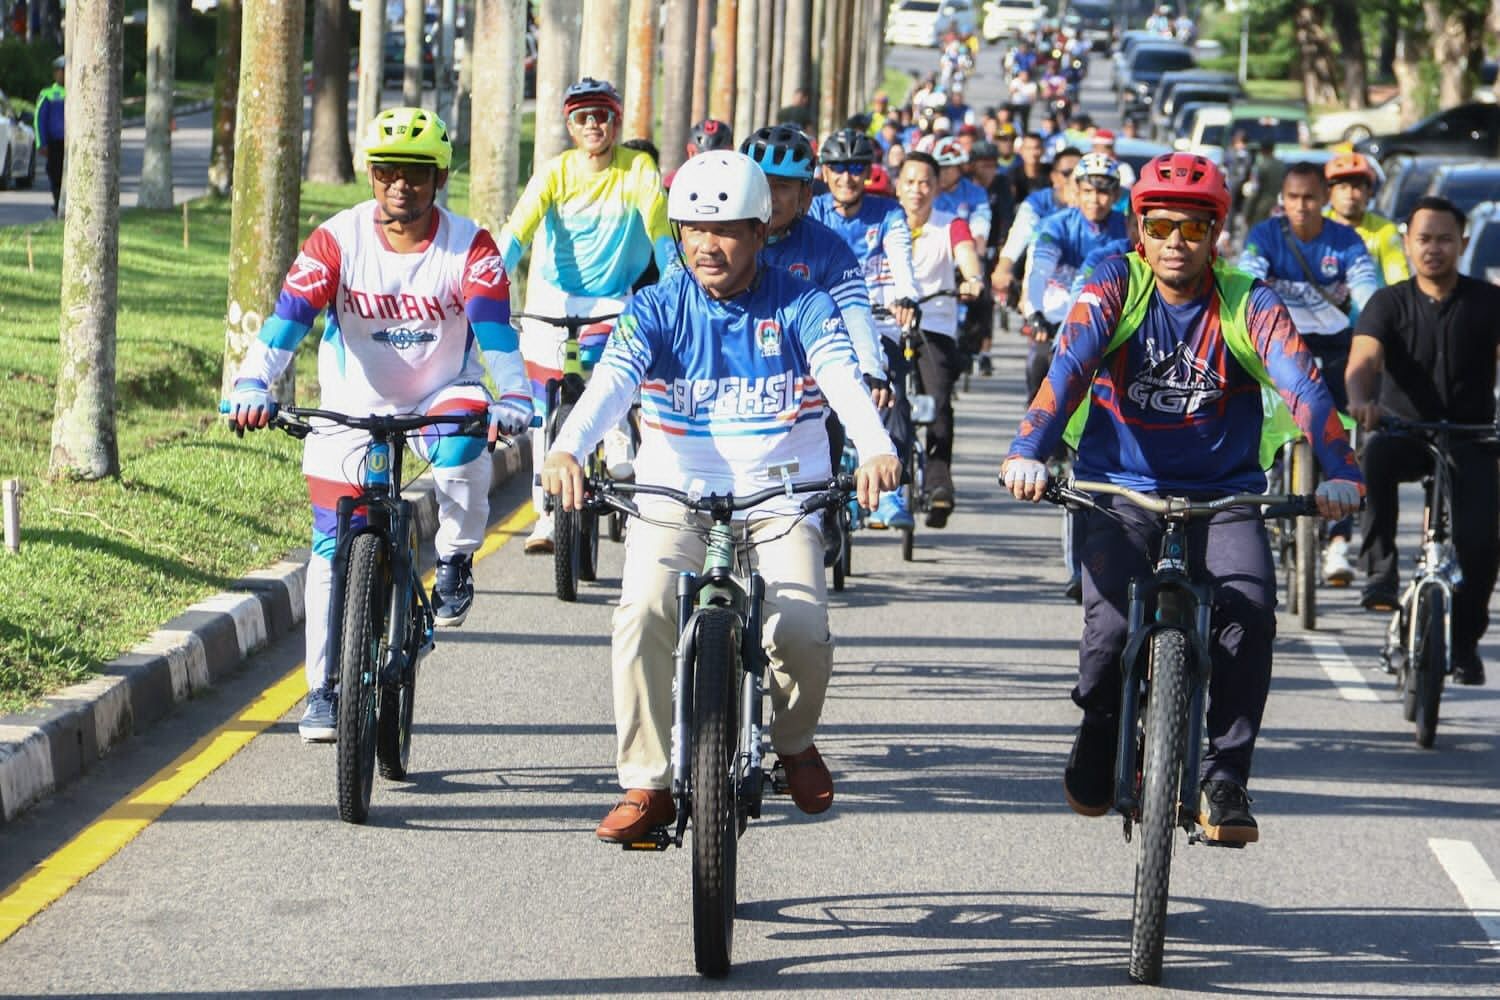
[715, 813]
[362, 638]
[1428, 663]
[566, 542]
[1161, 792]
[393, 728]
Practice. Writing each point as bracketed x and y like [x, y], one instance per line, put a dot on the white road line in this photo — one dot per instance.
[1340, 669]
[1476, 883]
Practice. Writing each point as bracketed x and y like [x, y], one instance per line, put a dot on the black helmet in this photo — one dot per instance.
[984, 150]
[781, 151]
[711, 134]
[847, 145]
[591, 91]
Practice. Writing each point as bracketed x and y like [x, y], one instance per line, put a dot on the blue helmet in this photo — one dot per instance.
[781, 151]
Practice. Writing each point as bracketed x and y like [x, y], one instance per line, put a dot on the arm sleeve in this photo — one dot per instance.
[897, 245]
[486, 295]
[524, 219]
[1020, 232]
[1300, 385]
[981, 219]
[612, 386]
[1364, 280]
[1080, 350]
[651, 202]
[1045, 256]
[308, 289]
[1253, 258]
[831, 356]
[853, 300]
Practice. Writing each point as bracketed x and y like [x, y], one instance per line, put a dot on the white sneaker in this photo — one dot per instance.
[1338, 571]
[539, 542]
[619, 455]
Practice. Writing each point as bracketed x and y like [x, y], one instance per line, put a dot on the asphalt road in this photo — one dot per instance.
[949, 862]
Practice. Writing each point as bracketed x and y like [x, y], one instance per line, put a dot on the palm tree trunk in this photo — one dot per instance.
[1457, 35]
[702, 47]
[371, 66]
[330, 158]
[161, 76]
[640, 71]
[726, 61]
[796, 65]
[556, 71]
[681, 26]
[745, 65]
[413, 54]
[498, 57]
[602, 52]
[226, 97]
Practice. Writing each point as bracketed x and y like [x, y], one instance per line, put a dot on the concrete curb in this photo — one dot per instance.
[49, 747]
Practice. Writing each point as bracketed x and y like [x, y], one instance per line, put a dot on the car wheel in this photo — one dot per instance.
[1356, 133]
[7, 182]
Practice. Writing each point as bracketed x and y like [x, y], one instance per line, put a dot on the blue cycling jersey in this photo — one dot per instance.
[1097, 256]
[877, 233]
[969, 202]
[1339, 261]
[815, 253]
[1063, 241]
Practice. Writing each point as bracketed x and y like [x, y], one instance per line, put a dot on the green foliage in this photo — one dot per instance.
[25, 69]
[1273, 49]
[197, 52]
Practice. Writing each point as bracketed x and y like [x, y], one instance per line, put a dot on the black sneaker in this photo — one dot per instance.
[1224, 813]
[986, 366]
[1380, 597]
[939, 506]
[1468, 668]
[452, 591]
[1089, 778]
[1074, 589]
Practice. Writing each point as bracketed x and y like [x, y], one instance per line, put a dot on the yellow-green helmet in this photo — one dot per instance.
[408, 135]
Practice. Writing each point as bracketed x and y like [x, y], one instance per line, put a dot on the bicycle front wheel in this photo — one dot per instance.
[362, 646]
[567, 546]
[1161, 793]
[393, 726]
[588, 549]
[1428, 663]
[1305, 481]
[715, 811]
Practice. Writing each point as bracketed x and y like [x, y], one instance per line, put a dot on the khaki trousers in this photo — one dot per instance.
[795, 632]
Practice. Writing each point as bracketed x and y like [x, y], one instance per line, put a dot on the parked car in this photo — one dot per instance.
[1407, 178]
[1138, 152]
[1129, 41]
[1093, 21]
[1481, 257]
[1467, 130]
[1148, 62]
[18, 151]
[1284, 124]
[1166, 102]
[1209, 134]
[1352, 126]
[1467, 185]
[925, 22]
[1004, 18]
[1185, 119]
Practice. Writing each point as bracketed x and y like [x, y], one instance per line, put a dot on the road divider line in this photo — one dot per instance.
[50, 879]
[1346, 677]
[1476, 883]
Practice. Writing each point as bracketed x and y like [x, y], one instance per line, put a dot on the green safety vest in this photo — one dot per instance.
[1278, 428]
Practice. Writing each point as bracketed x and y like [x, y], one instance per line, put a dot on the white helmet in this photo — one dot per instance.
[719, 186]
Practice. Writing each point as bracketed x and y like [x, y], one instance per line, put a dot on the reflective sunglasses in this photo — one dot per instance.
[1193, 230]
[579, 117]
[414, 174]
[857, 169]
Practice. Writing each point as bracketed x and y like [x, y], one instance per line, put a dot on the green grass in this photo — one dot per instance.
[896, 84]
[103, 564]
[1274, 90]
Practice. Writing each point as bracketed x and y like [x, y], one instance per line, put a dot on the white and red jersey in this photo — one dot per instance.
[933, 264]
[401, 326]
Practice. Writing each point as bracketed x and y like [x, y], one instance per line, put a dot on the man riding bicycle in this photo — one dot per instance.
[735, 363]
[1351, 183]
[598, 212]
[420, 310]
[1172, 349]
[1324, 274]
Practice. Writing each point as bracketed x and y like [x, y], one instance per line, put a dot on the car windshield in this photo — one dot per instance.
[921, 6]
[1161, 60]
[1411, 186]
[1213, 135]
[1281, 131]
[1470, 188]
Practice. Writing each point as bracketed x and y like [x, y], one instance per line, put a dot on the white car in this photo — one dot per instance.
[925, 22]
[1011, 17]
[1352, 126]
[1209, 135]
[18, 153]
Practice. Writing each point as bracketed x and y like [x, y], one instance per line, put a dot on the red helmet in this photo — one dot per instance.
[1181, 180]
[879, 181]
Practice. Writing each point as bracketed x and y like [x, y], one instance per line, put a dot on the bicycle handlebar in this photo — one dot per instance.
[827, 493]
[1274, 504]
[295, 420]
[570, 323]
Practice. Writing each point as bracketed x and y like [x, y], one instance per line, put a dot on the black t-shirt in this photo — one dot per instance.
[1439, 356]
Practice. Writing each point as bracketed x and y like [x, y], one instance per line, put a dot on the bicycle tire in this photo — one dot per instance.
[393, 723]
[846, 558]
[617, 527]
[715, 812]
[566, 542]
[1161, 794]
[362, 633]
[588, 555]
[913, 504]
[1305, 481]
[1428, 664]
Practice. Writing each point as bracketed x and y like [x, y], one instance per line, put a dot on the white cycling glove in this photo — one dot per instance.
[249, 404]
[1024, 472]
[510, 416]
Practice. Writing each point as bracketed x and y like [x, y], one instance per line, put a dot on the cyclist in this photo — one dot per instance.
[1177, 410]
[941, 244]
[598, 212]
[725, 352]
[1323, 273]
[984, 171]
[875, 231]
[419, 303]
[1430, 343]
[1351, 183]
[709, 134]
[957, 194]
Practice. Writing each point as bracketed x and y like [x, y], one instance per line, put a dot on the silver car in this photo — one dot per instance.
[18, 153]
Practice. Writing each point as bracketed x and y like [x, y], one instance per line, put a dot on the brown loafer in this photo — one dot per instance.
[808, 778]
[637, 814]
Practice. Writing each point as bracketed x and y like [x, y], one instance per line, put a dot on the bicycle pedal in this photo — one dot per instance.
[1199, 837]
[658, 839]
[777, 777]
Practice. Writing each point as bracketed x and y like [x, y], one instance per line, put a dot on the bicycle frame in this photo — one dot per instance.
[1437, 565]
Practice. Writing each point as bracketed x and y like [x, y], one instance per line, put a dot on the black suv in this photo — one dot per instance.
[1467, 130]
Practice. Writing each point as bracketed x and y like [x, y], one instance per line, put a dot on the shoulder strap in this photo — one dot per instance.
[1291, 242]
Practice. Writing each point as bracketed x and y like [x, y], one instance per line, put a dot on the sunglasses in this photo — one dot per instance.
[579, 117]
[414, 174]
[1106, 184]
[1193, 230]
[857, 169]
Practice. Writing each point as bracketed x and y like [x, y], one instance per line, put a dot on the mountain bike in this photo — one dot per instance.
[1418, 641]
[1163, 700]
[380, 618]
[575, 534]
[719, 736]
[848, 519]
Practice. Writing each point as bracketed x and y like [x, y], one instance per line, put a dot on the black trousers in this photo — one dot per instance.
[1392, 459]
[940, 367]
[55, 170]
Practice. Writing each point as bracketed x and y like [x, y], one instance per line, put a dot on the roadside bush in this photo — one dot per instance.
[25, 69]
